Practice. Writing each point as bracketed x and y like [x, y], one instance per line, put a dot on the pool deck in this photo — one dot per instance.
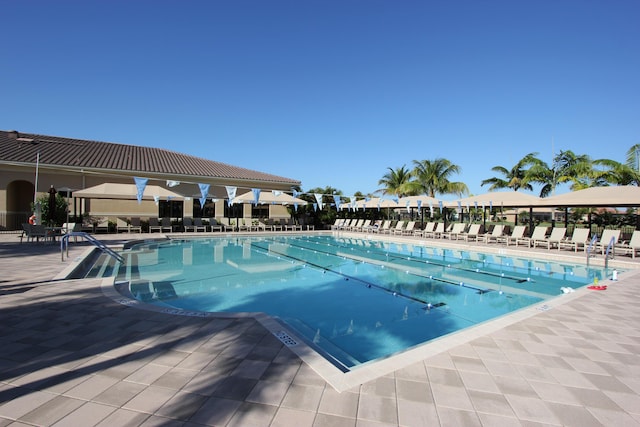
[72, 355]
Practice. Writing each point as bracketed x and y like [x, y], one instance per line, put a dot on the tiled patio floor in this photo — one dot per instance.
[72, 356]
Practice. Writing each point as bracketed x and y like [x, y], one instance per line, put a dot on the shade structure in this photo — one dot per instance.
[269, 198]
[613, 196]
[111, 190]
[511, 199]
[373, 203]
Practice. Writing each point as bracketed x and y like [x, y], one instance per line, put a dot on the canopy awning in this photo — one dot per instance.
[269, 198]
[111, 190]
[511, 199]
[614, 196]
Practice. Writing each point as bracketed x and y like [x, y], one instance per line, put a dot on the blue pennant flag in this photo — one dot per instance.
[204, 191]
[256, 196]
[141, 183]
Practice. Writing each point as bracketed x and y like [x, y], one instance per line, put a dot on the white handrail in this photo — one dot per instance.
[64, 243]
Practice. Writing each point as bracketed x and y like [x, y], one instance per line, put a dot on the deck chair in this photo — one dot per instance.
[632, 247]
[337, 223]
[579, 238]
[605, 240]
[458, 228]
[517, 233]
[428, 228]
[198, 225]
[33, 232]
[496, 233]
[472, 234]
[384, 228]
[135, 225]
[437, 231]
[187, 224]
[399, 227]
[538, 234]
[557, 235]
[408, 229]
[347, 223]
[392, 230]
[361, 227]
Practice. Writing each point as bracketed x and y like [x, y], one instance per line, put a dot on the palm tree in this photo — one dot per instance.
[514, 178]
[395, 181]
[567, 167]
[431, 177]
[633, 157]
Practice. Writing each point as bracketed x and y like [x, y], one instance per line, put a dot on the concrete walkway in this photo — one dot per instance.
[72, 356]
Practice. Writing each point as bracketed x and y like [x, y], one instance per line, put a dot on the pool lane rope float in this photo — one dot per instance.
[347, 277]
[390, 257]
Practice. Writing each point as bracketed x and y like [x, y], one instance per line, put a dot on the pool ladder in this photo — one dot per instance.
[64, 244]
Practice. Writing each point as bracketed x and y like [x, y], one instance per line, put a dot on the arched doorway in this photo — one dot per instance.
[19, 199]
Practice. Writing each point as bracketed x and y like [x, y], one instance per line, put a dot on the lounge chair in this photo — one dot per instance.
[160, 225]
[399, 227]
[187, 224]
[347, 223]
[458, 228]
[198, 225]
[539, 233]
[495, 235]
[337, 223]
[363, 226]
[384, 228]
[472, 234]
[437, 232]
[632, 247]
[555, 238]
[516, 234]
[408, 229]
[428, 228]
[356, 226]
[217, 226]
[102, 225]
[579, 238]
[606, 240]
[32, 231]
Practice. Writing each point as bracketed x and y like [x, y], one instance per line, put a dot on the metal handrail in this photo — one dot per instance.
[610, 249]
[64, 243]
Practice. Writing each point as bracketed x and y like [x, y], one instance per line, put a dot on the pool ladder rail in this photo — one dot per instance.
[64, 244]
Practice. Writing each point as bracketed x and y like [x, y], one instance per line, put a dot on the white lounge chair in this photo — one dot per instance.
[496, 233]
[605, 240]
[539, 233]
[428, 228]
[517, 233]
[632, 247]
[408, 229]
[555, 238]
[458, 228]
[473, 233]
[579, 238]
[384, 228]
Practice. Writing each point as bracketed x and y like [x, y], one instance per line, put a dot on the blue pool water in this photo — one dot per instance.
[355, 300]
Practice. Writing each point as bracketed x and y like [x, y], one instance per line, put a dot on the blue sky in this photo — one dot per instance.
[329, 92]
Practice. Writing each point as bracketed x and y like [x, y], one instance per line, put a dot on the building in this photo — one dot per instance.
[31, 164]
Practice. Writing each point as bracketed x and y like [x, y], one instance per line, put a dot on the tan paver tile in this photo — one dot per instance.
[89, 414]
[150, 399]
[215, 411]
[302, 397]
[253, 414]
[412, 413]
[343, 404]
[457, 417]
[25, 403]
[532, 409]
[286, 417]
[268, 392]
[377, 408]
[51, 411]
[123, 418]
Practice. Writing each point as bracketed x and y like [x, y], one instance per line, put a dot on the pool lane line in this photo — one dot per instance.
[419, 261]
[349, 277]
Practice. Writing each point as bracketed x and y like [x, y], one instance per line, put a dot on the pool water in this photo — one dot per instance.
[354, 300]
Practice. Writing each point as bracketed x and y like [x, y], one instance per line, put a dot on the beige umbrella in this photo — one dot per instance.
[269, 198]
[112, 190]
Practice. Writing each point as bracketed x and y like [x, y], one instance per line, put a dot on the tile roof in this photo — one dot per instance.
[22, 148]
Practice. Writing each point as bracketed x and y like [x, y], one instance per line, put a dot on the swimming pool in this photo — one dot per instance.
[354, 299]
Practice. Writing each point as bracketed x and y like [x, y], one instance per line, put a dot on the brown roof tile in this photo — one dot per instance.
[77, 153]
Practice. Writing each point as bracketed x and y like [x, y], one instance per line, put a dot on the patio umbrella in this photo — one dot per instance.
[52, 204]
